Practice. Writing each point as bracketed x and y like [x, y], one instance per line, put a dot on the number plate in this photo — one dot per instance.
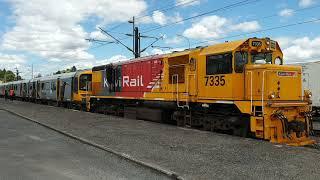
[256, 43]
[215, 80]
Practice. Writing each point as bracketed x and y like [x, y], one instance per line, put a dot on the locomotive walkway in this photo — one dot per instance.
[192, 154]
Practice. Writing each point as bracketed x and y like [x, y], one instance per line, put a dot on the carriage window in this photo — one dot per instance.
[241, 59]
[219, 64]
[53, 86]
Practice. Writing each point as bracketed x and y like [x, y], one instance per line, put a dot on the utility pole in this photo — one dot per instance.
[5, 76]
[17, 74]
[32, 71]
[136, 40]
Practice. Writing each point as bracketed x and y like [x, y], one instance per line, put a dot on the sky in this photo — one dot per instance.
[47, 35]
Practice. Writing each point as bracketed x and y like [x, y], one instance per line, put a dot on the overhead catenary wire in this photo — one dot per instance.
[162, 9]
[230, 6]
[275, 15]
[258, 31]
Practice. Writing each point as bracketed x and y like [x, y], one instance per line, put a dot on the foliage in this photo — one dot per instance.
[7, 76]
[72, 69]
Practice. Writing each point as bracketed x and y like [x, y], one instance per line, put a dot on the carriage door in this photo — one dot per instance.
[215, 76]
[58, 90]
[38, 89]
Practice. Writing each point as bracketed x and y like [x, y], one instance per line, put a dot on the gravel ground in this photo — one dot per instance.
[190, 153]
[30, 151]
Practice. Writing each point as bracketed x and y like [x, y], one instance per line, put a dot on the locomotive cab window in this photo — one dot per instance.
[219, 64]
[261, 58]
[85, 82]
[241, 59]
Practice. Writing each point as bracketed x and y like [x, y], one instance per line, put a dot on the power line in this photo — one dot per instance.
[237, 4]
[163, 9]
[258, 31]
[274, 15]
[269, 16]
[230, 6]
[277, 14]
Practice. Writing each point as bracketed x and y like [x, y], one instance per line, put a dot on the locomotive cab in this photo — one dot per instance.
[279, 110]
[82, 87]
[249, 77]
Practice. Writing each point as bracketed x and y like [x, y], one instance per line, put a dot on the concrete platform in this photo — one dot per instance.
[29, 151]
[190, 153]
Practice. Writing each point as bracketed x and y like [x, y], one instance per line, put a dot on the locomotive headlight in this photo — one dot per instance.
[272, 96]
[308, 94]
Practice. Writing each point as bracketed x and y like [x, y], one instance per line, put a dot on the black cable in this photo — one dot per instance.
[163, 9]
[258, 31]
[230, 6]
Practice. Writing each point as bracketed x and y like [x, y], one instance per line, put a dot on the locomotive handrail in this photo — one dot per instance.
[251, 90]
[262, 90]
[177, 91]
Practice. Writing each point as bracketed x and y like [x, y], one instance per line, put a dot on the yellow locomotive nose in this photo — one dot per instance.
[285, 112]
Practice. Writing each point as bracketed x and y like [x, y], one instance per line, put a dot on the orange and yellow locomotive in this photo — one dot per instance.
[239, 87]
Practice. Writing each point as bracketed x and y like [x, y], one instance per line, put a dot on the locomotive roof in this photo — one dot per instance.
[222, 47]
[213, 49]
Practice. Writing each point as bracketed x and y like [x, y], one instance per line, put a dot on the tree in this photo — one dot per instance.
[39, 75]
[7, 76]
[73, 69]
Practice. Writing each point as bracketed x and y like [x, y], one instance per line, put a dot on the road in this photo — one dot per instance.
[30, 151]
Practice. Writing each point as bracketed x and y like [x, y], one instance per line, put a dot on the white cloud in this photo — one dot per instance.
[186, 3]
[207, 27]
[161, 51]
[176, 18]
[284, 42]
[98, 35]
[306, 3]
[174, 40]
[159, 17]
[52, 30]
[216, 27]
[113, 59]
[286, 13]
[246, 26]
[11, 61]
[300, 49]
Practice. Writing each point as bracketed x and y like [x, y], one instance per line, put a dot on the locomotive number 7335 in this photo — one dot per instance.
[215, 80]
